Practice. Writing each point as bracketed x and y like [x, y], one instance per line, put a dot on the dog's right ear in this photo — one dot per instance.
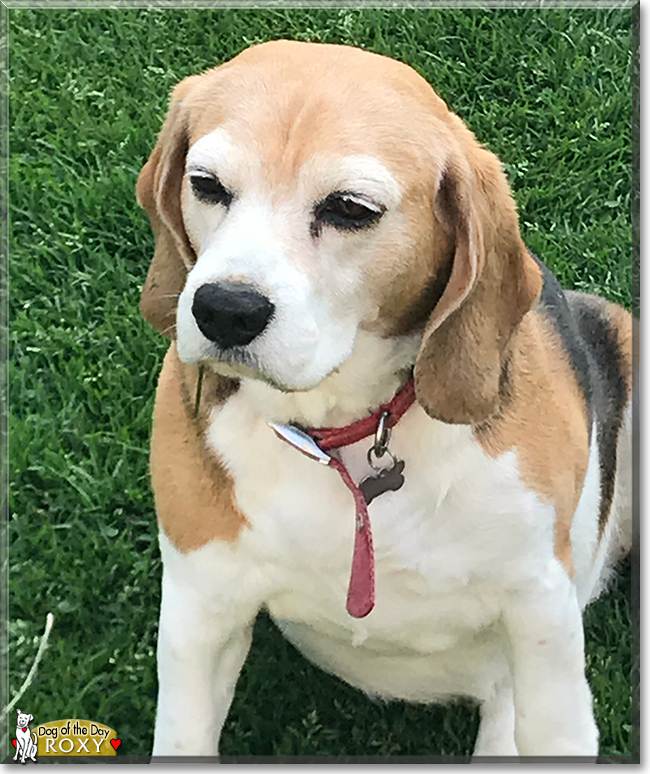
[159, 193]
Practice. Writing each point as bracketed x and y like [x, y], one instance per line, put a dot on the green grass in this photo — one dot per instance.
[548, 91]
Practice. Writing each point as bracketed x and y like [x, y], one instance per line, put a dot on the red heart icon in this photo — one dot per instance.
[13, 741]
[116, 743]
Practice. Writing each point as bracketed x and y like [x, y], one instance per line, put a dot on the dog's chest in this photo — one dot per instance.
[438, 540]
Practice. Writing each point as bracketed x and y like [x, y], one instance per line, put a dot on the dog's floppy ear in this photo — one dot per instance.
[493, 283]
[159, 193]
[30, 718]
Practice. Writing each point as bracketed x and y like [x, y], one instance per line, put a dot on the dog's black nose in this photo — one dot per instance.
[231, 314]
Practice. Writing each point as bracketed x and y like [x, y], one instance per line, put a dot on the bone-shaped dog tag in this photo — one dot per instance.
[388, 480]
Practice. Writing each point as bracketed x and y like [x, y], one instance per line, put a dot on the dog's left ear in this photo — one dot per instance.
[30, 718]
[159, 193]
[493, 283]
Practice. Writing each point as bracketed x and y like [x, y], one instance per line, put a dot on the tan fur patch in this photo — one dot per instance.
[193, 493]
[627, 333]
[545, 421]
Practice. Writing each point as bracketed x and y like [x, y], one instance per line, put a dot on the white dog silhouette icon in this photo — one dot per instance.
[25, 740]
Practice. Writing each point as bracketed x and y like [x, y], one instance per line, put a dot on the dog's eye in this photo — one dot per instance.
[209, 189]
[346, 211]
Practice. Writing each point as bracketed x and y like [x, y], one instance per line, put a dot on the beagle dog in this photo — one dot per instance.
[380, 417]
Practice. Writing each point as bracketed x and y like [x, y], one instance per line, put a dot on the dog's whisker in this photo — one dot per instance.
[169, 329]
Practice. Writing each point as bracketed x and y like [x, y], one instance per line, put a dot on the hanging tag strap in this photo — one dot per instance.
[361, 588]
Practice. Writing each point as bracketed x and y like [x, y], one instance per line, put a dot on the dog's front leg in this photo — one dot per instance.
[203, 640]
[553, 704]
[496, 733]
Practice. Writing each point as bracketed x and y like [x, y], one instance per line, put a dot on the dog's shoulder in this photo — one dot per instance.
[563, 392]
[595, 338]
[193, 491]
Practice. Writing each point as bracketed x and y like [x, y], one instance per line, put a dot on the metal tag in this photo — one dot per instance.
[387, 480]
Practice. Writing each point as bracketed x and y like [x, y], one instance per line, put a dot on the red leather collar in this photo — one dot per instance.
[329, 438]
[361, 587]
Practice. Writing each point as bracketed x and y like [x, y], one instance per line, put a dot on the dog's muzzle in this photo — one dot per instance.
[231, 314]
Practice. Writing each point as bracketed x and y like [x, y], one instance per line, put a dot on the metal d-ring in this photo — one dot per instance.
[386, 451]
[382, 435]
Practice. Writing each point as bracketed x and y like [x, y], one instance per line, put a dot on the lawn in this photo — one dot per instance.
[548, 91]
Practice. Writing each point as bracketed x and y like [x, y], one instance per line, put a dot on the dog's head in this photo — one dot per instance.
[303, 192]
[23, 719]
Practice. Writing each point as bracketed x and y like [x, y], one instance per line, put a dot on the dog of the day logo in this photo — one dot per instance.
[73, 738]
[25, 741]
